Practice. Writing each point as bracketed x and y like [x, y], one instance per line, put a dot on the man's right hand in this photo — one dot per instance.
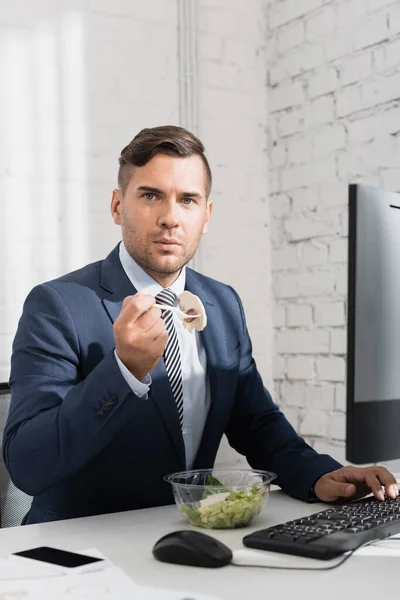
[140, 334]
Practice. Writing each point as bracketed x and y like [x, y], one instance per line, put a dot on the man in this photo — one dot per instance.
[109, 394]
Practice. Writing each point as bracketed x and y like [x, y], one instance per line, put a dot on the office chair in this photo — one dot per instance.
[14, 503]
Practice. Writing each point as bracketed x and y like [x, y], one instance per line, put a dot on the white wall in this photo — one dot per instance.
[334, 118]
[78, 79]
[232, 124]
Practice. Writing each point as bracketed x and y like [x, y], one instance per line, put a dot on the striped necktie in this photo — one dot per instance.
[172, 357]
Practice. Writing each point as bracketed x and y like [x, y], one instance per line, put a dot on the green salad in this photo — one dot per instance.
[224, 509]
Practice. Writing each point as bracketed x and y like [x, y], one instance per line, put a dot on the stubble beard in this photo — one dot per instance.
[149, 264]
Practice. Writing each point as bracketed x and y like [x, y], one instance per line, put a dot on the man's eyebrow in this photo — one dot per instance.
[154, 190]
[148, 188]
[193, 194]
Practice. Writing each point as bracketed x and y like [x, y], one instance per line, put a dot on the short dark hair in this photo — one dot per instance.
[166, 139]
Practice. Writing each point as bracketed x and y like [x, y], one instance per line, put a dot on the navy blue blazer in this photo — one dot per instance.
[79, 440]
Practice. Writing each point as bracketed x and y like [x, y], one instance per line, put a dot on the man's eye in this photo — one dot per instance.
[187, 200]
[149, 196]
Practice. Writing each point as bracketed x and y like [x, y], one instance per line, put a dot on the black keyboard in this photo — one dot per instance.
[331, 532]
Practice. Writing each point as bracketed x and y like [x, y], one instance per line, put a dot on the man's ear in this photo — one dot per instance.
[116, 203]
[208, 216]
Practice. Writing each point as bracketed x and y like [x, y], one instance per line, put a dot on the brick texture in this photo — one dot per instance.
[345, 129]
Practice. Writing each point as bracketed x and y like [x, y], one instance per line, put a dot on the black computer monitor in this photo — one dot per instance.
[373, 331]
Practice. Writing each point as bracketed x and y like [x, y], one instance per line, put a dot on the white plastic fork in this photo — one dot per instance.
[177, 311]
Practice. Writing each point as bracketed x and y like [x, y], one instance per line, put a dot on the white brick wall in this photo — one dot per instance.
[298, 315]
[232, 125]
[334, 121]
[300, 367]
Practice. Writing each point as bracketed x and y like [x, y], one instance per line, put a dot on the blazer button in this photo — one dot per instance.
[111, 400]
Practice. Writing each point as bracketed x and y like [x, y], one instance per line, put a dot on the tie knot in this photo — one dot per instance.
[167, 296]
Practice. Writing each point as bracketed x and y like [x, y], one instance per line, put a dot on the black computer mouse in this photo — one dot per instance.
[193, 548]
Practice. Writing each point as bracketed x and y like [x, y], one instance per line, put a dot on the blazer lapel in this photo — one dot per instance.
[212, 336]
[215, 344]
[115, 281]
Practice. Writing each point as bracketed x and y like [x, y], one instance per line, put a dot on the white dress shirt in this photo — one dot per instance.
[195, 384]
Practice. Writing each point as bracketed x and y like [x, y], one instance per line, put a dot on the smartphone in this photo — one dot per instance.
[61, 558]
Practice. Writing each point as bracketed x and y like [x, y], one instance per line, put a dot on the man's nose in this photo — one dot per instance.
[169, 215]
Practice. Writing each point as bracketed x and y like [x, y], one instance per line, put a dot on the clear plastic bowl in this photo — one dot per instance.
[221, 498]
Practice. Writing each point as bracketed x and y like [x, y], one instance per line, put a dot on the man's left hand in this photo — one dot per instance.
[356, 482]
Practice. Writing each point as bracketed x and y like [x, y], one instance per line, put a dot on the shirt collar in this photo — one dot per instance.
[142, 281]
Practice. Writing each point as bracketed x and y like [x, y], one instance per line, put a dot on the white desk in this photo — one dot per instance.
[127, 540]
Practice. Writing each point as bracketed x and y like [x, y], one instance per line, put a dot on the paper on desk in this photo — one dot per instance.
[12, 568]
[111, 583]
[149, 593]
[11, 571]
[153, 593]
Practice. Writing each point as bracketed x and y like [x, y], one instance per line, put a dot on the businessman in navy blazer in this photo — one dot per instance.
[94, 425]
